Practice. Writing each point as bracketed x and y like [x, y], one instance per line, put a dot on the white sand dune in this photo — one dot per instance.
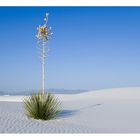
[102, 111]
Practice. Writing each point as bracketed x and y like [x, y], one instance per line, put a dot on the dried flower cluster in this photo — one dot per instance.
[44, 32]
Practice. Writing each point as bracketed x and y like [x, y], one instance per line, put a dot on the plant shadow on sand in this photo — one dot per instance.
[69, 113]
[90, 106]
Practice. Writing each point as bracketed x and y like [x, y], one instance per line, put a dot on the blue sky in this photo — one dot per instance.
[91, 48]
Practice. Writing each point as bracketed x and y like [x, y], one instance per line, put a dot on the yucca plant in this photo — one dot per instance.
[42, 106]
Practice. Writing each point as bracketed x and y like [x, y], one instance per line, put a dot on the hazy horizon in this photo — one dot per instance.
[92, 48]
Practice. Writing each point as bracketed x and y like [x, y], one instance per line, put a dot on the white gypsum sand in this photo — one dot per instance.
[102, 111]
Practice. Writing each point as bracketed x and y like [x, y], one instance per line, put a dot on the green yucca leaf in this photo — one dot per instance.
[42, 106]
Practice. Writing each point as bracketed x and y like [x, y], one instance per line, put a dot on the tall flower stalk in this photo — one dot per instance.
[43, 35]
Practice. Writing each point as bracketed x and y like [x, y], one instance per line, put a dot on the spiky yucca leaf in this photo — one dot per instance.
[42, 106]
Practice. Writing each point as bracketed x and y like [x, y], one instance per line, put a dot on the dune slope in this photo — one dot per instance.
[102, 111]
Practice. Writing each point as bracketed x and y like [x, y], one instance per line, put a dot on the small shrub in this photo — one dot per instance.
[42, 106]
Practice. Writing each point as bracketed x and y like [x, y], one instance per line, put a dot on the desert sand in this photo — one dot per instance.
[115, 110]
